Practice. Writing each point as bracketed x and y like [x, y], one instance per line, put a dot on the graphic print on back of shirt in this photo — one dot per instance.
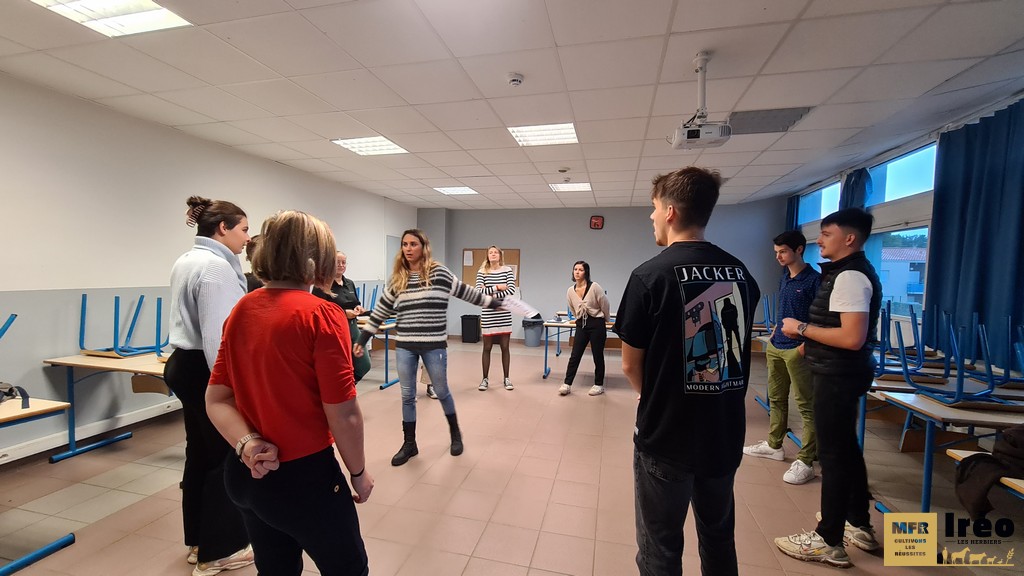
[713, 314]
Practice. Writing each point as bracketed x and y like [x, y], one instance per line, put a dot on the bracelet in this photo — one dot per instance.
[360, 473]
[243, 441]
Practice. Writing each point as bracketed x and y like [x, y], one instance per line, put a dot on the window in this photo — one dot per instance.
[907, 175]
[812, 255]
[818, 204]
[899, 257]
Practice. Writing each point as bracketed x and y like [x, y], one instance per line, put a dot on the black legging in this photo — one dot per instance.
[506, 357]
[594, 333]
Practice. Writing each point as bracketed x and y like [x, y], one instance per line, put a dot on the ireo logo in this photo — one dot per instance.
[912, 539]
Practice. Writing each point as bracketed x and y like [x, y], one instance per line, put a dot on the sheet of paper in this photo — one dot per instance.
[467, 257]
[519, 307]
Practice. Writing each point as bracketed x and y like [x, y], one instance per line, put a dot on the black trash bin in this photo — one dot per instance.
[532, 330]
[470, 328]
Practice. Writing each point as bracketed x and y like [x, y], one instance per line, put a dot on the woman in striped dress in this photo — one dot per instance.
[495, 279]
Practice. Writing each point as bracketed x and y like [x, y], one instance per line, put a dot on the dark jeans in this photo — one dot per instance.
[593, 333]
[664, 491]
[211, 521]
[844, 478]
[306, 504]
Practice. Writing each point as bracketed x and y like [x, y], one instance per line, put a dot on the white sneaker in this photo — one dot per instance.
[809, 547]
[508, 384]
[763, 450]
[564, 390]
[861, 537]
[798, 473]
[596, 390]
[240, 559]
[483, 385]
[193, 555]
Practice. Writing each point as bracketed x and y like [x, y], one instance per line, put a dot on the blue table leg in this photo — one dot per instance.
[37, 555]
[387, 380]
[547, 336]
[73, 449]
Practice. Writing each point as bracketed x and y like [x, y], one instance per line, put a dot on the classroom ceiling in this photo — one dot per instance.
[280, 78]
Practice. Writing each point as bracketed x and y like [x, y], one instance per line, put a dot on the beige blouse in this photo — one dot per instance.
[595, 304]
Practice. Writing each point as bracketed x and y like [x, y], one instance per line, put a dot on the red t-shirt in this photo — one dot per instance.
[285, 353]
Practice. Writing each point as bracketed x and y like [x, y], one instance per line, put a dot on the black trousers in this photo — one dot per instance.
[844, 478]
[211, 521]
[306, 504]
[592, 332]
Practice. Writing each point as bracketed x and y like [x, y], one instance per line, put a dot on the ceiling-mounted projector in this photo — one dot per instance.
[697, 132]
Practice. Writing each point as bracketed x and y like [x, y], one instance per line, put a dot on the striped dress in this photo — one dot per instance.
[494, 322]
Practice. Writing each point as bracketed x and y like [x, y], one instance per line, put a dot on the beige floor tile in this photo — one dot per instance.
[386, 557]
[434, 562]
[611, 559]
[454, 534]
[101, 506]
[122, 474]
[404, 526]
[472, 504]
[541, 467]
[154, 482]
[168, 457]
[616, 526]
[36, 535]
[127, 555]
[570, 521]
[564, 554]
[507, 544]
[33, 489]
[492, 481]
[529, 487]
[426, 498]
[579, 471]
[16, 519]
[137, 517]
[521, 512]
[535, 449]
[574, 493]
[484, 567]
[370, 513]
[63, 499]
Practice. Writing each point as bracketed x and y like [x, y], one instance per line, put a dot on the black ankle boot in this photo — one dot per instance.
[409, 448]
[453, 427]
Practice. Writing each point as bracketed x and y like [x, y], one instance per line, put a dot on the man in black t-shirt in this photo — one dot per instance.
[684, 320]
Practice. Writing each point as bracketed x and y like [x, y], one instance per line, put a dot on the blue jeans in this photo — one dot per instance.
[436, 363]
[664, 492]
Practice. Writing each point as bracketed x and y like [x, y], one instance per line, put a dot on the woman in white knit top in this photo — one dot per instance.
[589, 304]
[495, 279]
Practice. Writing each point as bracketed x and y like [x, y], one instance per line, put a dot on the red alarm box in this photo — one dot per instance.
[596, 222]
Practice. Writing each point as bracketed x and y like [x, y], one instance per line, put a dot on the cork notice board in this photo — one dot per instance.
[473, 258]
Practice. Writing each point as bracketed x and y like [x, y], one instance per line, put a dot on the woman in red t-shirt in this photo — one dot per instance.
[283, 394]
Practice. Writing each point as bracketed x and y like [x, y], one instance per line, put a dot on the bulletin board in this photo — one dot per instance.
[473, 258]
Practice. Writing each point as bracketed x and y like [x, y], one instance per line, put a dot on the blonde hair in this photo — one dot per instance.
[486, 266]
[295, 247]
[400, 273]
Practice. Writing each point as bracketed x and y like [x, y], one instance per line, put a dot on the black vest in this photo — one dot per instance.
[824, 359]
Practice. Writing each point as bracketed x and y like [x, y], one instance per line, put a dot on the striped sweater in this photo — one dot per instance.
[421, 312]
[493, 322]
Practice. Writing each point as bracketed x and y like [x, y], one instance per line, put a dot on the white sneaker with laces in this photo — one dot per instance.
[193, 555]
[596, 390]
[508, 384]
[862, 537]
[763, 450]
[809, 547]
[240, 559]
[483, 385]
[564, 390]
[798, 473]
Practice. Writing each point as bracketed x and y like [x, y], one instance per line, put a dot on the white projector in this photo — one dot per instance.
[705, 135]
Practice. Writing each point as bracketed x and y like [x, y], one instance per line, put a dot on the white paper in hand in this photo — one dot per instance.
[519, 307]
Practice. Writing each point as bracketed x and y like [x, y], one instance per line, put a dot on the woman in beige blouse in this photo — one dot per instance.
[589, 304]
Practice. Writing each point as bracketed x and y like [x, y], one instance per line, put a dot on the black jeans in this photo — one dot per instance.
[844, 478]
[664, 491]
[306, 504]
[593, 333]
[211, 521]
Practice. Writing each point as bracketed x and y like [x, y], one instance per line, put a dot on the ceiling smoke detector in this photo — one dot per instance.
[514, 79]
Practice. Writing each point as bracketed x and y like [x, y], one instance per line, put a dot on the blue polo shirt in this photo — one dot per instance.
[795, 296]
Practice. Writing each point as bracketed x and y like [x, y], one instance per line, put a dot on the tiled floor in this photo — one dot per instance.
[544, 488]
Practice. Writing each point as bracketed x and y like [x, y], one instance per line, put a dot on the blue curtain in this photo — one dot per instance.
[792, 213]
[856, 189]
[975, 256]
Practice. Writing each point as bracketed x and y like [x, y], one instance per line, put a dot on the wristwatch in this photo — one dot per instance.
[243, 441]
[801, 328]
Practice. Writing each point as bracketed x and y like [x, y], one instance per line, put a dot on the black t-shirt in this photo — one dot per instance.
[345, 293]
[691, 309]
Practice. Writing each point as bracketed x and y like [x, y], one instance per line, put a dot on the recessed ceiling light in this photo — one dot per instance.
[456, 190]
[571, 187]
[116, 17]
[544, 135]
[372, 146]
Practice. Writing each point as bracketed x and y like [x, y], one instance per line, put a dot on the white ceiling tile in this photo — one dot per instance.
[769, 170]
[734, 51]
[275, 129]
[474, 181]
[397, 120]
[610, 103]
[858, 115]
[310, 165]
[554, 153]
[787, 156]
[748, 143]
[755, 182]
[612, 164]
[896, 81]
[460, 115]
[960, 31]
[662, 164]
[598, 150]
[852, 40]
[44, 69]
[489, 26]
[453, 158]
[633, 62]
[341, 176]
[280, 97]
[515, 169]
[612, 177]
[272, 151]
[397, 161]
[375, 172]
[496, 192]
[123, 63]
[201, 54]
[541, 71]
[380, 33]
[532, 110]
[727, 158]
[466, 171]
[149, 107]
[795, 89]
[32, 25]
[611, 130]
[443, 182]
[1007, 66]
[576, 170]
[300, 4]
[350, 90]
[221, 132]
[804, 139]
[420, 173]
[581, 21]
[333, 125]
[425, 142]
[705, 14]
[681, 98]
[428, 82]
[215, 103]
[524, 179]
[484, 138]
[206, 12]
[8, 48]
[320, 148]
[500, 156]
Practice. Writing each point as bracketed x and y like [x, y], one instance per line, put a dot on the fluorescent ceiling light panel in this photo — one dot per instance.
[456, 191]
[571, 187]
[372, 146]
[544, 135]
[116, 17]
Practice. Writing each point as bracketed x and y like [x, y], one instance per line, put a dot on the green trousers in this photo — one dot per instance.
[787, 370]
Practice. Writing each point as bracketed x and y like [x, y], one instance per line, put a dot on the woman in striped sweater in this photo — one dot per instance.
[417, 296]
[495, 279]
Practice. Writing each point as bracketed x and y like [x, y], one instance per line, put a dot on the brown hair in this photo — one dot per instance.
[692, 192]
[295, 247]
[206, 215]
[400, 272]
[486, 266]
[250, 247]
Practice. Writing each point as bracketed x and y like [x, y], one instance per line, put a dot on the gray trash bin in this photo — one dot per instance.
[532, 330]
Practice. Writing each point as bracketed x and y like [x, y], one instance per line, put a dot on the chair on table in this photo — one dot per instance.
[124, 349]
